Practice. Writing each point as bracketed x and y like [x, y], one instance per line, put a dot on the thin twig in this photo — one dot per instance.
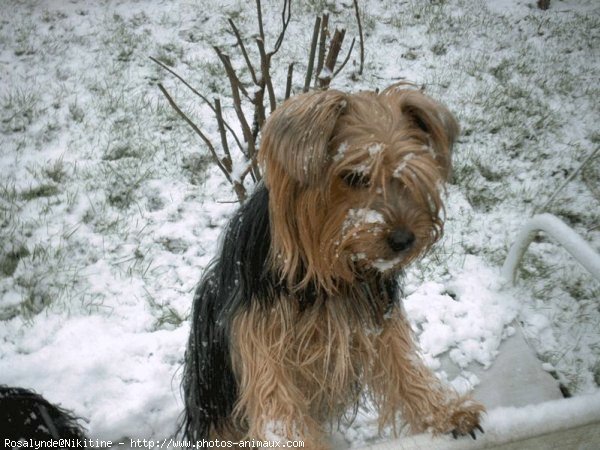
[202, 97]
[197, 130]
[265, 58]
[322, 46]
[227, 161]
[362, 42]
[311, 56]
[244, 52]
[261, 31]
[259, 112]
[265, 67]
[180, 78]
[239, 190]
[286, 15]
[288, 81]
[230, 71]
[236, 87]
[339, 69]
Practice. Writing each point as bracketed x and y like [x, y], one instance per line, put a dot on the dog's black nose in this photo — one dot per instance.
[401, 239]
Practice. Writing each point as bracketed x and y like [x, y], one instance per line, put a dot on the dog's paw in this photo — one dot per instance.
[465, 418]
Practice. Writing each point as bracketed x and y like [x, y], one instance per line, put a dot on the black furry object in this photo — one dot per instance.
[27, 415]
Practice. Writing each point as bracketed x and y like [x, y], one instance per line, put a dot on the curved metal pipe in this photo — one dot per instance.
[561, 233]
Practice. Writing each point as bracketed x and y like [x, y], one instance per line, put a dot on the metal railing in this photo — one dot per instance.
[561, 233]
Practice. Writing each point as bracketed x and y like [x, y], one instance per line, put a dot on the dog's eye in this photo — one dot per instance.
[356, 180]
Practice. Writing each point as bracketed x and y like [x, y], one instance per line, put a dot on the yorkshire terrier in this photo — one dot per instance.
[299, 318]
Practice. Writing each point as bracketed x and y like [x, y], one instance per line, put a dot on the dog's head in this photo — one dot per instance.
[354, 182]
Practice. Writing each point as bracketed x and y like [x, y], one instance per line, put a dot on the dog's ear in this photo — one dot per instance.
[431, 117]
[296, 136]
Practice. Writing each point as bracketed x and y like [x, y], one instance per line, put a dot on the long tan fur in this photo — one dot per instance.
[300, 371]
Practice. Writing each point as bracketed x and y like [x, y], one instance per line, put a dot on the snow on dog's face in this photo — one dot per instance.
[354, 182]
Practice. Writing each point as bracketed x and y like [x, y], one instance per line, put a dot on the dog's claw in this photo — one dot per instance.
[456, 434]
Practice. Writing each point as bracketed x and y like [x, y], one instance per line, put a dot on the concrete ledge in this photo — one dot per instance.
[565, 423]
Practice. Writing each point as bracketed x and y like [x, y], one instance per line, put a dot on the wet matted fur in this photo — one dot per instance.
[299, 318]
[26, 415]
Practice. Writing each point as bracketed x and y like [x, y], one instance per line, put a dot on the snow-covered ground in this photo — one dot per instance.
[109, 209]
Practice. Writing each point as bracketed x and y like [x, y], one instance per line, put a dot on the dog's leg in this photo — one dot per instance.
[270, 403]
[401, 382]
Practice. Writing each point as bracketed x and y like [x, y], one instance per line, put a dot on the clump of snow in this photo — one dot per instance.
[341, 151]
[398, 171]
[325, 73]
[375, 149]
[362, 216]
[383, 265]
[359, 256]
[454, 317]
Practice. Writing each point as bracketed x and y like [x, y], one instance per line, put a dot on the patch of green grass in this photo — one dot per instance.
[76, 112]
[10, 261]
[439, 48]
[56, 171]
[122, 38]
[40, 191]
[487, 167]
[48, 277]
[102, 218]
[8, 196]
[216, 82]
[479, 178]
[24, 37]
[169, 54]
[129, 137]
[431, 14]
[123, 178]
[120, 149]
[591, 177]
[108, 98]
[19, 107]
[35, 301]
[166, 315]
[52, 16]
[139, 19]
[484, 198]
[318, 6]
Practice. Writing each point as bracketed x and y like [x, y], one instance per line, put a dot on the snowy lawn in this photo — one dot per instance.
[109, 208]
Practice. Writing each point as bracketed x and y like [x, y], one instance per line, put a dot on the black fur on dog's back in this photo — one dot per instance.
[239, 273]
